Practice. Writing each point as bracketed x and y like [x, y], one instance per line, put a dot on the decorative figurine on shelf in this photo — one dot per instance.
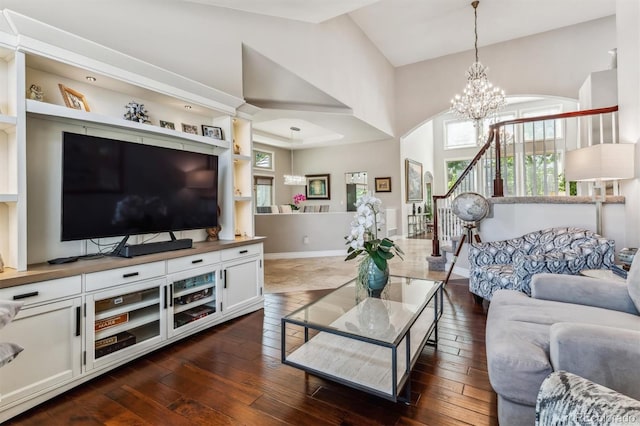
[136, 112]
[212, 233]
[236, 147]
[36, 93]
[414, 208]
[238, 193]
[419, 209]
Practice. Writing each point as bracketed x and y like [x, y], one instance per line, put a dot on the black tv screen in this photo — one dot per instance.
[115, 188]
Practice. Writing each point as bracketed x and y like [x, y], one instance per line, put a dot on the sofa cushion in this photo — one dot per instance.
[566, 396]
[518, 336]
[633, 281]
[565, 250]
[8, 310]
[9, 352]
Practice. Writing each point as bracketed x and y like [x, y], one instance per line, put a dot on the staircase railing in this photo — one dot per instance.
[528, 155]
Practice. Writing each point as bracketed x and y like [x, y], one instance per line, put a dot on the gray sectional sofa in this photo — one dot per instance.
[586, 326]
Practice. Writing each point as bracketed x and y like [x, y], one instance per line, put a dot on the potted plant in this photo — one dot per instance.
[363, 241]
[297, 199]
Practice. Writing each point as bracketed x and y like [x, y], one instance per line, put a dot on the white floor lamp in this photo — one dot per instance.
[598, 163]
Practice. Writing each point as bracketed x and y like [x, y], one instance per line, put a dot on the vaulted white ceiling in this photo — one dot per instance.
[409, 31]
[405, 32]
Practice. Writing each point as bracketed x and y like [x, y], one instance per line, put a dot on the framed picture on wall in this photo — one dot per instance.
[318, 187]
[413, 180]
[263, 160]
[383, 184]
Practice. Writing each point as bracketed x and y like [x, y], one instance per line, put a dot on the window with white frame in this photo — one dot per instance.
[542, 130]
[263, 160]
[454, 170]
[263, 191]
[459, 134]
[463, 134]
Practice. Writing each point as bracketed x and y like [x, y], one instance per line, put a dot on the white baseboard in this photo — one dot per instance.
[303, 254]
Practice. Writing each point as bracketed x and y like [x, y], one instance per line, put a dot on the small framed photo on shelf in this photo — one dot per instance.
[212, 132]
[167, 125]
[318, 187]
[383, 184]
[73, 99]
[190, 128]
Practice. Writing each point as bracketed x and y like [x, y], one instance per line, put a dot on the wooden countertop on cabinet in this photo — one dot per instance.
[45, 271]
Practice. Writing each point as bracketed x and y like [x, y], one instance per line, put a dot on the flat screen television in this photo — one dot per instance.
[115, 188]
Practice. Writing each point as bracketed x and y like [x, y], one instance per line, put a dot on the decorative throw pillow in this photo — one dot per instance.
[8, 310]
[8, 352]
[633, 281]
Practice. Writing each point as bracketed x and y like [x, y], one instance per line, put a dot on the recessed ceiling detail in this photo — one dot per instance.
[278, 133]
[285, 100]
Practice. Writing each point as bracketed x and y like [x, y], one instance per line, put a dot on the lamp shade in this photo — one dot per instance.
[608, 161]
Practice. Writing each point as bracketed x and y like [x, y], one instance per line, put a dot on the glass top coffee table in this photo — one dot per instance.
[366, 342]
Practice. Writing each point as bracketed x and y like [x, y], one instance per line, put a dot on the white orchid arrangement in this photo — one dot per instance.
[363, 238]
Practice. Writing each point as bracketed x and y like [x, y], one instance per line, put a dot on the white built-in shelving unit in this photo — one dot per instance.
[30, 237]
[83, 319]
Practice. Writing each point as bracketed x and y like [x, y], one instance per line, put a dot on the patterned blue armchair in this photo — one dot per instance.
[510, 264]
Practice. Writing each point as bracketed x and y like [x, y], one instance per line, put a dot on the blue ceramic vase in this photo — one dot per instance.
[374, 278]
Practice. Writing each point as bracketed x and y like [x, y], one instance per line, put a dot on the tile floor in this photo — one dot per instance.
[285, 275]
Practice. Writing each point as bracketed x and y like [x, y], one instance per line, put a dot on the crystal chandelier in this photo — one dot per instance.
[293, 179]
[480, 98]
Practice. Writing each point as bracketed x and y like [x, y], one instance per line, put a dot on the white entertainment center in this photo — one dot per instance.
[84, 318]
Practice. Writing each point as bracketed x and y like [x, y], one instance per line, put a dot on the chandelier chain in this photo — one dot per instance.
[475, 26]
[480, 98]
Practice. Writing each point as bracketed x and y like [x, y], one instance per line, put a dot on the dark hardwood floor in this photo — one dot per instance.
[232, 374]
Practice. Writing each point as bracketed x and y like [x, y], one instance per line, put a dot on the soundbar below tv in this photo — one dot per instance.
[116, 188]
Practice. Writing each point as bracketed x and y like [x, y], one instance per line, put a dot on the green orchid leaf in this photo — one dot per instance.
[385, 255]
[380, 263]
[386, 242]
[353, 255]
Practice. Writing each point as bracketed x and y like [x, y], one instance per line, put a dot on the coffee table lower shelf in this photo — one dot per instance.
[363, 363]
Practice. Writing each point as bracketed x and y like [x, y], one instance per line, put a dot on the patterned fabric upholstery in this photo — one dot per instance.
[511, 263]
[8, 310]
[567, 399]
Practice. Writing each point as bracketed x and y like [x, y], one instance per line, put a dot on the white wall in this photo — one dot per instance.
[378, 159]
[628, 38]
[554, 63]
[304, 234]
[204, 43]
[283, 194]
[512, 220]
[418, 146]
